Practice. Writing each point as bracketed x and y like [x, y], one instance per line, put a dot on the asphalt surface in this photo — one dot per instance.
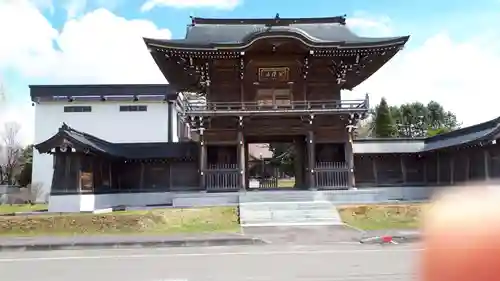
[256, 263]
[304, 235]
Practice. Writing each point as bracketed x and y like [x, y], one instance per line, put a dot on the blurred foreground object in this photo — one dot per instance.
[462, 236]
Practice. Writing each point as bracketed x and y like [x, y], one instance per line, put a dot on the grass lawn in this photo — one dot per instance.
[8, 209]
[160, 221]
[377, 217]
[286, 183]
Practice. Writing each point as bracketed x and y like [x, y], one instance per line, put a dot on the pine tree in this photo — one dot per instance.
[384, 124]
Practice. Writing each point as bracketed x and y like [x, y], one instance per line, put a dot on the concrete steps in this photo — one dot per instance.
[283, 196]
[294, 213]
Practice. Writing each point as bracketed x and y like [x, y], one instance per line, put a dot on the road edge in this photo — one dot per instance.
[132, 244]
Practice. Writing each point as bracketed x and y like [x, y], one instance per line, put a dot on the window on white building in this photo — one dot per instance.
[78, 108]
[133, 108]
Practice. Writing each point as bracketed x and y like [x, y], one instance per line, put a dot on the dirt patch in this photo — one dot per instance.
[131, 222]
[386, 216]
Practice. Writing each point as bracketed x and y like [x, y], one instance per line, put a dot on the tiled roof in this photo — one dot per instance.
[206, 35]
[158, 150]
[49, 91]
[486, 131]
[388, 145]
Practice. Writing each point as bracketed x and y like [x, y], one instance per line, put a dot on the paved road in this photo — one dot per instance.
[304, 235]
[256, 263]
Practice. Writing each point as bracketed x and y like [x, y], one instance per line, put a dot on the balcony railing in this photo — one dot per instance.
[291, 108]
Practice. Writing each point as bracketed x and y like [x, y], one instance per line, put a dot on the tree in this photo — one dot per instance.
[418, 120]
[24, 177]
[283, 156]
[383, 122]
[364, 129]
[11, 152]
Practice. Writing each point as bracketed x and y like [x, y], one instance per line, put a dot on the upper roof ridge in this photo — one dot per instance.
[277, 20]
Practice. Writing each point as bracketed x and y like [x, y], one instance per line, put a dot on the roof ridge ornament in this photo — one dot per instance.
[64, 127]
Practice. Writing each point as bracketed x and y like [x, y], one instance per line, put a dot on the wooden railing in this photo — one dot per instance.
[294, 107]
[331, 175]
[223, 177]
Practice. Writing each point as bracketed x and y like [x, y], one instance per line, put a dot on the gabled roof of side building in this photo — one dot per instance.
[472, 135]
[86, 142]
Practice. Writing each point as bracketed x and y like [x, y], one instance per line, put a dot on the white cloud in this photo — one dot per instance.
[43, 4]
[98, 47]
[217, 4]
[462, 76]
[369, 25]
[75, 7]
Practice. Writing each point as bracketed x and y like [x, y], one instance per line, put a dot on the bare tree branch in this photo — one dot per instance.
[12, 151]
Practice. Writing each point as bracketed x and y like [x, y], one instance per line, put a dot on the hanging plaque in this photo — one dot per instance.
[278, 74]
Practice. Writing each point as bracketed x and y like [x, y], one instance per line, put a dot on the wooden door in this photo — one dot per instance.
[274, 97]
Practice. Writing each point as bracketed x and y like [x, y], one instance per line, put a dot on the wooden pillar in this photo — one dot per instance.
[311, 158]
[170, 176]
[241, 159]
[170, 121]
[438, 168]
[141, 177]
[61, 172]
[110, 174]
[424, 167]
[299, 162]
[247, 180]
[349, 153]
[403, 169]
[242, 76]
[467, 168]
[375, 169]
[452, 169]
[486, 154]
[203, 159]
[75, 174]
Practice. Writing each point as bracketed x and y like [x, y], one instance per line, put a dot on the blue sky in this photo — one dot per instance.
[420, 18]
[452, 54]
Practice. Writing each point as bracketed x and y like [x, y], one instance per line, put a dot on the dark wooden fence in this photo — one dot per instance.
[223, 177]
[331, 175]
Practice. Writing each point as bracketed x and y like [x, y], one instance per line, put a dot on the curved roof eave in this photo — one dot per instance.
[363, 43]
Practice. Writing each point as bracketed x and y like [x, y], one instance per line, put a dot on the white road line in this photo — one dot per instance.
[177, 255]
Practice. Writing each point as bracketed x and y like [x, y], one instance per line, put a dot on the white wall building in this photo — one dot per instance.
[115, 113]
